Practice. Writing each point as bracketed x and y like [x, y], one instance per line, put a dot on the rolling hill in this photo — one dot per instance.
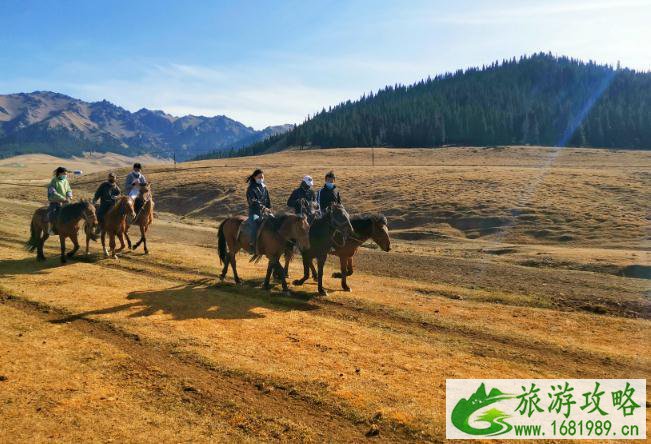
[56, 124]
[536, 100]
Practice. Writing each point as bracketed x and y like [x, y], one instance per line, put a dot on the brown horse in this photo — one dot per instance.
[144, 218]
[273, 236]
[115, 224]
[66, 224]
[373, 227]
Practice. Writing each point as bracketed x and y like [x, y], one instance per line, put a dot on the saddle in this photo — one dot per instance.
[245, 227]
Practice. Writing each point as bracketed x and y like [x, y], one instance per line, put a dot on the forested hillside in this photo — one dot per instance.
[537, 100]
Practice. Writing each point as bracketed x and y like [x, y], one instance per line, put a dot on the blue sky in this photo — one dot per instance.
[264, 62]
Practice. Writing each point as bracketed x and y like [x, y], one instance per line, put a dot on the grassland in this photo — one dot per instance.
[505, 262]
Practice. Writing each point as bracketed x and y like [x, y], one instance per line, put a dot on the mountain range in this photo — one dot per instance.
[53, 123]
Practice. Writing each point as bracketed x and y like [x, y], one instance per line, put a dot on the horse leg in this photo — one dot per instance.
[62, 241]
[41, 242]
[289, 253]
[315, 276]
[343, 262]
[233, 262]
[121, 239]
[266, 285]
[104, 243]
[112, 244]
[75, 244]
[87, 244]
[320, 262]
[349, 267]
[306, 272]
[281, 273]
[143, 238]
[126, 234]
[225, 267]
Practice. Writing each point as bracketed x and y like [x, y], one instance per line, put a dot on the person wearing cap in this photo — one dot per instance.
[107, 193]
[303, 196]
[329, 193]
[133, 181]
[58, 193]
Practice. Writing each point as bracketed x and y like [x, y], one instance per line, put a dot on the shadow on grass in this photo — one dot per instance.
[203, 300]
[29, 265]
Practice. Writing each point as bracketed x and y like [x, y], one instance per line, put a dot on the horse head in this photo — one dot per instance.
[89, 212]
[296, 228]
[380, 232]
[126, 207]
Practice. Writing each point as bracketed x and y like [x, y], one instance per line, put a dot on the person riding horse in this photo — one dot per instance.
[58, 193]
[329, 193]
[135, 179]
[257, 197]
[302, 197]
[107, 193]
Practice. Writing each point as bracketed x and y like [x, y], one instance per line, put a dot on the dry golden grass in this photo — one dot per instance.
[454, 298]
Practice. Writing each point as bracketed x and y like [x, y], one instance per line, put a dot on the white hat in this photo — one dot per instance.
[308, 180]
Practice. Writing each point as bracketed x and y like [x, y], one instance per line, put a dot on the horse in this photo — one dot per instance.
[66, 224]
[115, 224]
[324, 236]
[311, 210]
[272, 238]
[373, 227]
[144, 218]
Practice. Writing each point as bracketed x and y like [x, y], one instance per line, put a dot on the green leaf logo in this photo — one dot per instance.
[496, 419]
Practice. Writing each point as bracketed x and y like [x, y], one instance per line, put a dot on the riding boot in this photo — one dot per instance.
[51, 216]
[253, 233]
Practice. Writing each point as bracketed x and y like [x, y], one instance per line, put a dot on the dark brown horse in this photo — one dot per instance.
[66, 224]
[364, 228]
[326, 233]
[144, 218]
[115, 224]
[274, 234]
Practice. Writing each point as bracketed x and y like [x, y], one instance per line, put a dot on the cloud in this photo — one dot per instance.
[527, 12]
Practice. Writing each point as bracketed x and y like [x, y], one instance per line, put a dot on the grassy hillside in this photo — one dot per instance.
[481, 281]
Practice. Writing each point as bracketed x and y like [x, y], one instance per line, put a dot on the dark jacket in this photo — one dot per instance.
[107, 193]
[257, 197]
[302, 192]
[327, 196]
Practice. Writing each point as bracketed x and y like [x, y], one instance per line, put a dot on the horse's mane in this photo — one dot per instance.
[364, 221]
[72, 211]
[277, 221]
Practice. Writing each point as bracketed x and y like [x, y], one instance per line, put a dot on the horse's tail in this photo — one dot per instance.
[221, 243]
[34, 240]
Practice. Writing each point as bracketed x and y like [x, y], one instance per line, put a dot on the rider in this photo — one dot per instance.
[303, 192]
[329, 193]
[257, 197]
[58, 193]
[107, 193]
[132, 185]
